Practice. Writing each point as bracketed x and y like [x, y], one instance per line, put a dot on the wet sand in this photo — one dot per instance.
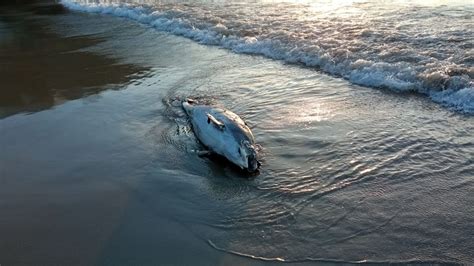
[40, 69]
[51, 215]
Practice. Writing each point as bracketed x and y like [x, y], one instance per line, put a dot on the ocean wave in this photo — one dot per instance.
[431, 63]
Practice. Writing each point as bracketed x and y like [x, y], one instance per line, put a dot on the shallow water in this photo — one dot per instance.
[111, 175]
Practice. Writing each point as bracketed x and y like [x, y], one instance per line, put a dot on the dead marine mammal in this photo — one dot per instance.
[224, 133]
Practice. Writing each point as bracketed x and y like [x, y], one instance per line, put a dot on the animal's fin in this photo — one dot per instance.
[215, 122]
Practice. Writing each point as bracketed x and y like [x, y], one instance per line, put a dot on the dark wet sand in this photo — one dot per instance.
[43, 221]
[40, 69]
[46, 224]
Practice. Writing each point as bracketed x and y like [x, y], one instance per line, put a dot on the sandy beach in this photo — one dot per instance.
[99, 163]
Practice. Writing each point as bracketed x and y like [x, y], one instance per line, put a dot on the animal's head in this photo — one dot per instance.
[188, 105]
[248, 156]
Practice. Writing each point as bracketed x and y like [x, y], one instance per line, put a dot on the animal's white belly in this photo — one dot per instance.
[212, 137]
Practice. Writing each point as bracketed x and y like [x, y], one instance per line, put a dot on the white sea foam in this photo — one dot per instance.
[460, 100]
[381, 51]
